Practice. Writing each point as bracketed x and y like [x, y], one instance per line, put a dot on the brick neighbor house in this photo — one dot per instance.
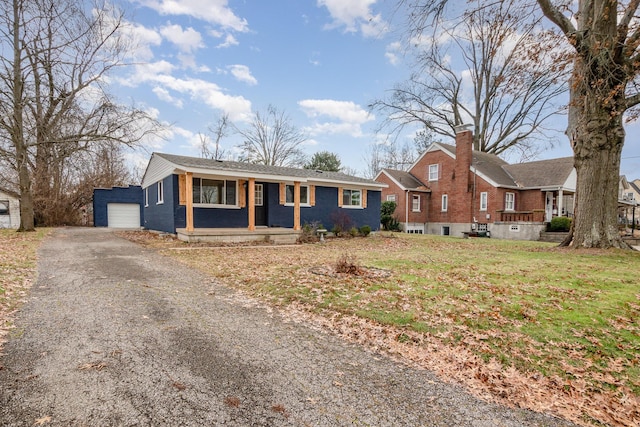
[451, 190]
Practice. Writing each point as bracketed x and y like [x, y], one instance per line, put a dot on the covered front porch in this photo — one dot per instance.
[274, 235]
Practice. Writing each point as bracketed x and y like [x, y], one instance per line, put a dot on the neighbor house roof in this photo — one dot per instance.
[538, 174]
[542, 173]
[162, 165]
[404, 180]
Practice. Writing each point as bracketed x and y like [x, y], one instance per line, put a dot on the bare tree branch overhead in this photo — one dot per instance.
[54, 102]
[492, 66]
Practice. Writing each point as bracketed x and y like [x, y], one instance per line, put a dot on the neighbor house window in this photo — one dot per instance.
[4, 207]
[391, 198]
[415, 203]
[304, 194]
[434, 172]
[160, 192]
[445, 203]
[146, 197]
[483, 201]
[509, 201]
[351, 198]
[214, 191]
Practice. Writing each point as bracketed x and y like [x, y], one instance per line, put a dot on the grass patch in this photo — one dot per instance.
[567, 320]
[17, 271]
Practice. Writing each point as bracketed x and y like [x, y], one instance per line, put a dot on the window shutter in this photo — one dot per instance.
[364, 198]
[312, 195]
[182, 189]
[340, 197]
[283, 193]
[242, 197]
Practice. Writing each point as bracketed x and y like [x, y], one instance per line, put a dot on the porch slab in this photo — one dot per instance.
[275, 235]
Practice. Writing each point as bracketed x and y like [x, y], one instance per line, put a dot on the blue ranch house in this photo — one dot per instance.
[205, 199]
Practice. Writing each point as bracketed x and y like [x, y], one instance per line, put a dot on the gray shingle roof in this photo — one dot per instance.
[537, 174]
[542, 173]
[250, 168]
[405, 179]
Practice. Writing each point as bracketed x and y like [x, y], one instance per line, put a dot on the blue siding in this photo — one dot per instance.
[160, 217]
[104, 196]
[170, 215]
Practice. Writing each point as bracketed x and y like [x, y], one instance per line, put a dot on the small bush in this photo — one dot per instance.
[341, 222]
[365, 230]
[347, 264]
[354, 232]
[560, 223]
[309, 232]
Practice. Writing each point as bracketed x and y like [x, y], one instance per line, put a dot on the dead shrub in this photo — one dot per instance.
[347, 264]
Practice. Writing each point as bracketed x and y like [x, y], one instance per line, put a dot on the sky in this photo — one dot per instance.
[321, 62]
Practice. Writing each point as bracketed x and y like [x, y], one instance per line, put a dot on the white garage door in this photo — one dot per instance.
[123, 215]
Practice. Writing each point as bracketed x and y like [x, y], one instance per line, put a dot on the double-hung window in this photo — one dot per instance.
[509, 201]
[415, 203]
[351, 198]
[160, 192]
[214, 192]
[304, 194]
[434, 172]
[483, 201]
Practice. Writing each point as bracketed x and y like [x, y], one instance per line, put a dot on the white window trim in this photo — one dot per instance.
[302, 205]
[391, 197]
[146, 197]
[437, 172]
[353, 206]
[217, 205]
[160, 193]
[445, 203]
[513, 201]
[413, 208]
[484, 201]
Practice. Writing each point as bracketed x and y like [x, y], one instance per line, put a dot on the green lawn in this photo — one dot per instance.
[566, 322]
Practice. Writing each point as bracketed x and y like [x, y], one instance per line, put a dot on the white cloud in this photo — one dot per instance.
[212, 11]
[187, 40]
[354, 16]
[165, 96]
[229, 41]
[243, 74]
[158, 75]
[141, 40]
[340, 117]
[393, 53]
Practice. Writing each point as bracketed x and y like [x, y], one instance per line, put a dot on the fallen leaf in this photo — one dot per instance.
[43, 420]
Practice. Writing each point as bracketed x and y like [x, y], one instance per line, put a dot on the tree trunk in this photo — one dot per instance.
[27, 222]
[597, 165]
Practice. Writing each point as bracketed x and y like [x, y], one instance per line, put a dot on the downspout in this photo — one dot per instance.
[406, 212]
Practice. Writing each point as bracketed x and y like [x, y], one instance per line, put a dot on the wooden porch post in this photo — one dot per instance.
[251, 187]
[296, 205]
[189, 195]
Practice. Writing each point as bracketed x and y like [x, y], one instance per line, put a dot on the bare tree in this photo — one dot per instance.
[53, 100]
[210, 144]
[604, 85]
[486, 69]
[390, 155]
[271, 139]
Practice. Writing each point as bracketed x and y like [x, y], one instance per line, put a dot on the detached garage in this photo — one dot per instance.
[118, 207]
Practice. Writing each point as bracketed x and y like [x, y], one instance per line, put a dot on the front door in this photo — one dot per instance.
[261, 206]
[548, 207]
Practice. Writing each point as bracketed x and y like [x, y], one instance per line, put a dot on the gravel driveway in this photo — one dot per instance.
[117, 335]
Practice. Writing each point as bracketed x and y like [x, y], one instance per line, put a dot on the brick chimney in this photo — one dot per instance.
[464, 156]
